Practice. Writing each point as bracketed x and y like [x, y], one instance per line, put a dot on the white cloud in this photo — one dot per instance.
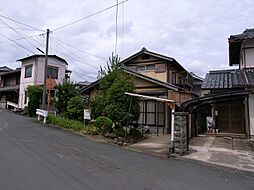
[193, 32]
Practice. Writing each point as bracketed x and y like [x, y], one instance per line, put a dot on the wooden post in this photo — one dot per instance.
[49, 88]
[45, 72]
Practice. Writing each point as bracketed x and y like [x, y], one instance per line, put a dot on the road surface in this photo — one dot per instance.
[37, 157]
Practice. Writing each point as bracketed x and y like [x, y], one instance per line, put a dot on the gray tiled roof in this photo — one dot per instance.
[247, 34]
[229, 79]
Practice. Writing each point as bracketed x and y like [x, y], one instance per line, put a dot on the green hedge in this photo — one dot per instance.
[65, 123]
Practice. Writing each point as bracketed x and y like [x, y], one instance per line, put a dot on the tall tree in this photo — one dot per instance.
[113, 63]
[65, 92]
[111, 100]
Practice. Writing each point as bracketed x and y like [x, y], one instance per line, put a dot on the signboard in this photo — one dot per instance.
[87, 114]
[50, 83]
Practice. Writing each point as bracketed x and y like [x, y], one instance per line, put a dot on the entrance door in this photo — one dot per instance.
[230, 117]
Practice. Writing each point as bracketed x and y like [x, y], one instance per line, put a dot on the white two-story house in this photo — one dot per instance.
[32, 73]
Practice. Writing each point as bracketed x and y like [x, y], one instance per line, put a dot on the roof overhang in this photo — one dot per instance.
[149, 97]
[40, 55]
[138, 75]
[157, 55]
[11, 72]
[219, 97]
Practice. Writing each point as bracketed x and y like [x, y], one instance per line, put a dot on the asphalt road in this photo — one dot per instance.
[34, 156]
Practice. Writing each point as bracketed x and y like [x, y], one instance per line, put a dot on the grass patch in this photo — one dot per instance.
[65, 123]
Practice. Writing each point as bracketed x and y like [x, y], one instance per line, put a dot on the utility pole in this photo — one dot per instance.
[45, 71]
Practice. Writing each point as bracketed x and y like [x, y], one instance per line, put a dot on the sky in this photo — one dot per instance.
[194, 32]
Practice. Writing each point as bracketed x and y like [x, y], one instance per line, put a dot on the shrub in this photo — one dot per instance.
[75, 108]
[119, 132]
[91, 130]
[34, 94]
[135, 134]
[104, 124]
[65, 123]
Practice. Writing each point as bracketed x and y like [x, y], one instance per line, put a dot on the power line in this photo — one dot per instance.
[16, 42]
[122, 32]
[20, 22]
[19, 39]
[80, 75]
[19, 28]
[68, 45]
[116, 26]
[19, 34]
[3, 22]
[77, 58]
[103, 10]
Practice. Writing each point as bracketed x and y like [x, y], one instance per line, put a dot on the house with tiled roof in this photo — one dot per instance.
[228, 95]
[158, 77]
[9, 85]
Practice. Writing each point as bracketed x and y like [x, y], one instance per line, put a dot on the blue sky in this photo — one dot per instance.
[194, 32]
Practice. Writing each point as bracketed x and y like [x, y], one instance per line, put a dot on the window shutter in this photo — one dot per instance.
[160, 68]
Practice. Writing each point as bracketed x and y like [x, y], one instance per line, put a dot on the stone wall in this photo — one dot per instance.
[180, 133]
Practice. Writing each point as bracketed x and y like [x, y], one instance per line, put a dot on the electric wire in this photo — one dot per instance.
[116, 26]
[16, 43]
[18, 28]
[98, 12]
[19, 39]
[9, 18]
[79, 75]
[122, 31]
[23, 33]
[68, 45]
[72, 54]
[26, 39]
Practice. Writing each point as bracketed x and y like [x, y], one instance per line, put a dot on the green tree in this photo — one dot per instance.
[34, 95]
[65, 92]
[111, 100]
[113, 64]
[75, 108]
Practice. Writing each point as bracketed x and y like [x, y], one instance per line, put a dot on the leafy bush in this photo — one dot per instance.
[135, 134]
[64, 93]
[91, 130]
[104, 124]
[34, 94]
[119, 132]
[75, 108]
[65, 123]
[97, 106]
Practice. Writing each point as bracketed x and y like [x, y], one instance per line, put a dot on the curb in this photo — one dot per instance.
[146, 152]
[217, 166]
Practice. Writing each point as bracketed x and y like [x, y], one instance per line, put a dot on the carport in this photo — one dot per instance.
[229, 112]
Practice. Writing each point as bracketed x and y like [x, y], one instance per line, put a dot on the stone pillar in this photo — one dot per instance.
[180, 133]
